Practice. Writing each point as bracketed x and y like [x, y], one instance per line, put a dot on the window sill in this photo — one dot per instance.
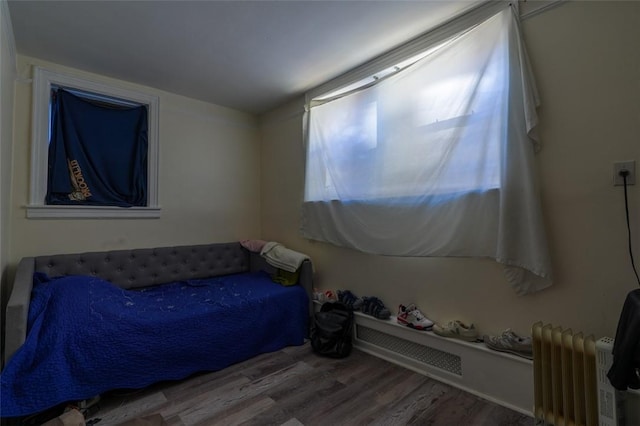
[91, 212]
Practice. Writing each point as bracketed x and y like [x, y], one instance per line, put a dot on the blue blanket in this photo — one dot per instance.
[87, 336]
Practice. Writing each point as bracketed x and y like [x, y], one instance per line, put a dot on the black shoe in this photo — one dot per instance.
[374, 307]
[350, 299]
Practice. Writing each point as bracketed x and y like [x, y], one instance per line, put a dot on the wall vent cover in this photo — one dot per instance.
[433, 357]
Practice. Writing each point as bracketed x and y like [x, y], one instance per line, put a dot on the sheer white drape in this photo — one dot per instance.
[436, 159]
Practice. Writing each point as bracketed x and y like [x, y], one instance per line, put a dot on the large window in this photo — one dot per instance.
[432, 128]
[432, 156]
[102, 133]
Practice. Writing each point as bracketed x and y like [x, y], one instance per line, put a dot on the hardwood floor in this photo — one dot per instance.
[296, 387]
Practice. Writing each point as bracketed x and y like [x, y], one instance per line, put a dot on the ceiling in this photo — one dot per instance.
[251, 56]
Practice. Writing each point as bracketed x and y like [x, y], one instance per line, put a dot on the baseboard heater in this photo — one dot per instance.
[498, 377]
[422, 353]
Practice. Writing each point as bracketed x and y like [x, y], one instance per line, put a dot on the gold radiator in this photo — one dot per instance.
[564, 377]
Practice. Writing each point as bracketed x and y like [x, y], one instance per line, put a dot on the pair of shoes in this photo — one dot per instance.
[412, 317]
[457, 330]
[510, 342]
[349, 299]
[324, 295]
[374, 307]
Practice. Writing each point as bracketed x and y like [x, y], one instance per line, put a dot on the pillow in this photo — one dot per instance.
[253, 245]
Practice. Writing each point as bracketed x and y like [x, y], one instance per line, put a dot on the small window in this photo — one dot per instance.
[106, 136]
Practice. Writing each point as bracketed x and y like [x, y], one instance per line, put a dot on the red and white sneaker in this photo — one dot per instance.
[412, 317]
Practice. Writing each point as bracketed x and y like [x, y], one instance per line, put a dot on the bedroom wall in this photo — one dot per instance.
[7, 76]
[209, 180]
[587, 65]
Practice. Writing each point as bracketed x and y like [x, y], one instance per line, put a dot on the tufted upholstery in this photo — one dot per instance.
[132, 269]
[145, 267]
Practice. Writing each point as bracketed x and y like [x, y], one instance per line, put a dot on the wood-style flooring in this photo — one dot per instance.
[296, 387]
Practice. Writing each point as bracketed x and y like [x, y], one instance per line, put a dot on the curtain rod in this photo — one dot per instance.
[548, 6]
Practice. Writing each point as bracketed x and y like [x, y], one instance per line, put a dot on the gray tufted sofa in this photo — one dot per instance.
[133, 269]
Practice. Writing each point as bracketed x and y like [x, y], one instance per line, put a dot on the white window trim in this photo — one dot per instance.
[43, 79]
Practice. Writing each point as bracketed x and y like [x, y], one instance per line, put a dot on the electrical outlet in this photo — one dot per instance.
[630, 166]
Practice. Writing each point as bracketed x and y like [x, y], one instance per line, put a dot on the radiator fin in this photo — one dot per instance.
[565, 386]
[433, 357]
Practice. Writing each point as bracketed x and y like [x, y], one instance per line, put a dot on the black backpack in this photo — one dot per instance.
[332, 330]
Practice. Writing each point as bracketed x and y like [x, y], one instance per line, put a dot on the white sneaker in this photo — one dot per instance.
[457, 330]
[510, 342]
[412, 317]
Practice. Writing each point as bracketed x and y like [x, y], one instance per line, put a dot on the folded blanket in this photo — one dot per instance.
[281, 257]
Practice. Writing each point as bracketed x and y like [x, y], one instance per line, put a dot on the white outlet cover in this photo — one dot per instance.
[624, 165]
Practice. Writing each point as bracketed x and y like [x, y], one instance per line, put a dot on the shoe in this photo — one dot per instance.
[412, 317]
[374, 307]
[318, 295]
[349, 299]
[457, 330]
[323, 296]
[510, 342]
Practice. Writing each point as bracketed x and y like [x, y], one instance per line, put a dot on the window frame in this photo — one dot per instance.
[43, 81]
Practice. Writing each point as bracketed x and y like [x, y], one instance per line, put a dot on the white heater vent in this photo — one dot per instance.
[433, 357]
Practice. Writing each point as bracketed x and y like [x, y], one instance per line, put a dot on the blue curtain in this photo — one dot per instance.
[97, 153]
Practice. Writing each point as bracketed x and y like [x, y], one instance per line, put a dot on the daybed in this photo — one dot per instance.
[81, 324]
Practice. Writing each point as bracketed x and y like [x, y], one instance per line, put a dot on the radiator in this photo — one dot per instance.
[564, 377]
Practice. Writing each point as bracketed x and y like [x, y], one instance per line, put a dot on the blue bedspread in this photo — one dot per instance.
[87, 336]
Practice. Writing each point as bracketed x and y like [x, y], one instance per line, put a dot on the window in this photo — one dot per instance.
[432, 156]
[431, 128]
[46, 85]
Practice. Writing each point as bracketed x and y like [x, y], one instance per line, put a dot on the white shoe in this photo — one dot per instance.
[510, 342]
[412, 317]
[457, 330]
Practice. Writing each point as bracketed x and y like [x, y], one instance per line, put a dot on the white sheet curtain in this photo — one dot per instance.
[436, 159]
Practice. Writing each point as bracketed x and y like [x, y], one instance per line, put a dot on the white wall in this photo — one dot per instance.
[587, 63]
[209, 180]
[7, 77]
